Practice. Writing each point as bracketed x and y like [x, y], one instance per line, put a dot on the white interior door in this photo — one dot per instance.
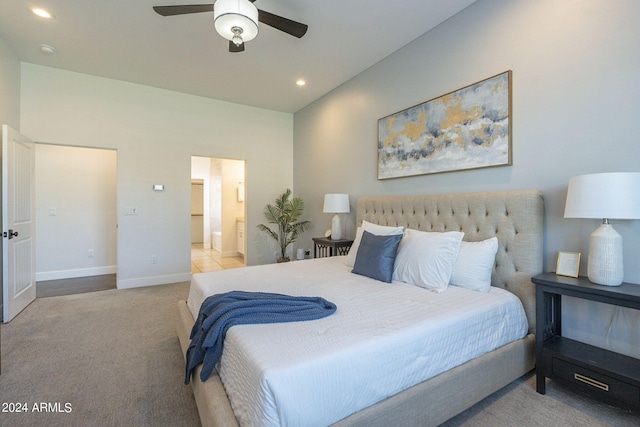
[18, 223]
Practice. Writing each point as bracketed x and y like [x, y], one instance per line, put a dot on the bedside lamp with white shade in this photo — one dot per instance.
[336, 204]
[604, 196]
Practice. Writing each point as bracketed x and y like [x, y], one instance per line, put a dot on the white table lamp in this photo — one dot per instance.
[604, 196]
[336, 204]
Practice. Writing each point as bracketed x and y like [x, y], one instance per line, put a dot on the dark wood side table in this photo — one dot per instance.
[324, 247]
[609, 376]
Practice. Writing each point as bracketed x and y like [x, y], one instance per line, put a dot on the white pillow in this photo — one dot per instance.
[378, 230]
[426, 259]
[474, 265]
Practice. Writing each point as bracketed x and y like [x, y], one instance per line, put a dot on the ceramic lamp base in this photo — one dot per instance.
[605, 265]
[336, 228]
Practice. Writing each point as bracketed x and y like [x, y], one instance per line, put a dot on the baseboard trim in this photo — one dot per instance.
[72, 274]
[152, 281]
[229, 254]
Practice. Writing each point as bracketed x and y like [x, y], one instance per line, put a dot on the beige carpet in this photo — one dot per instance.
[108, 358]
[112, 358]
[518, 404]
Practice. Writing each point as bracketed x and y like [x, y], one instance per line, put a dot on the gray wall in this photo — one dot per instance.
[575, 101]
[575, 104]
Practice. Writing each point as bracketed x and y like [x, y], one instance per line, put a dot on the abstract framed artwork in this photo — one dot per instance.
[469, 128]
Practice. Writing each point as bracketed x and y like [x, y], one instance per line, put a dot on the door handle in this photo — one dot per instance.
[10, 234]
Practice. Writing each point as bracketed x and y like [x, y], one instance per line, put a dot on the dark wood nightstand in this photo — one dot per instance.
[610, 376]
[324, 247]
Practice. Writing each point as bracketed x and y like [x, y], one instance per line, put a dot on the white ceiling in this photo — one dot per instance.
[127, 40]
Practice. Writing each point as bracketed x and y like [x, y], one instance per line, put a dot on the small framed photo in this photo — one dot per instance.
[568, 264]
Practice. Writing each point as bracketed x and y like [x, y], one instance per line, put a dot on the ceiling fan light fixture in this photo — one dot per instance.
[237, 36]
[236, 20]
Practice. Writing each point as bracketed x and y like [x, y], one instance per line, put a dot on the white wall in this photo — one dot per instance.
[232, 176]
[75, 210]
[155, 133]
[575, 104]
[9, 87]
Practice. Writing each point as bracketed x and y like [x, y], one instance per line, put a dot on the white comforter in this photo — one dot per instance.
[382, 339]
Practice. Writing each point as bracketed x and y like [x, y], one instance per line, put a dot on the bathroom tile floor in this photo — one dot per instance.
[204, 260]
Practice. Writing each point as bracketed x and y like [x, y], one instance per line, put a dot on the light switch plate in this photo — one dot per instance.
[131, 210]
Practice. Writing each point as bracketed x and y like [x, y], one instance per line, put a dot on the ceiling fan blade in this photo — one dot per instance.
[182, 9]
[235, 49]
[294, 28]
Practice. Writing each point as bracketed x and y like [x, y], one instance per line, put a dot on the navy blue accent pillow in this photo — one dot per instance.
[376, 255]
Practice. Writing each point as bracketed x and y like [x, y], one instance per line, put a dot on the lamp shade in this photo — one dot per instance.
[336, 203]
[604, 195]
[230, 14]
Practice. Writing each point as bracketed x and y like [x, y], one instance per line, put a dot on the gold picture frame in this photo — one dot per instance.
[568, 264]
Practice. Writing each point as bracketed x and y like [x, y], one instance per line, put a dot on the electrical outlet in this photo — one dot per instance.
[90, 253]
[154, 259]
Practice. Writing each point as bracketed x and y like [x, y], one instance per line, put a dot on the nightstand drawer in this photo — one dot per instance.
[599, 385]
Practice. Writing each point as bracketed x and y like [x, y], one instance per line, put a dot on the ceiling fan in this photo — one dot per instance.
[237, 20]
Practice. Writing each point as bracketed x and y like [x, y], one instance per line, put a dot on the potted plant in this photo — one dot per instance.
[285, 213]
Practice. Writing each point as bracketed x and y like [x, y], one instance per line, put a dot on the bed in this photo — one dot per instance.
[515, 218]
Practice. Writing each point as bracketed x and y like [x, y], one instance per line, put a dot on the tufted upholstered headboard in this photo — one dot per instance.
[514, 217]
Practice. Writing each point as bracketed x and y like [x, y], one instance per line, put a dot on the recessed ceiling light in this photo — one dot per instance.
[301, 82]
[41, 13]
[45, 48]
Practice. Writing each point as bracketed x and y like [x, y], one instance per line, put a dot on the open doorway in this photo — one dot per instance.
[217, 214]
[76, 219]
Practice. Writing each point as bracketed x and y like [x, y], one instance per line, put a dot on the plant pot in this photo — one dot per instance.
[283, 259]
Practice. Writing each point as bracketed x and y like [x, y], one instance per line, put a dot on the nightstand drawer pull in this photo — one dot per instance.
[591, 381]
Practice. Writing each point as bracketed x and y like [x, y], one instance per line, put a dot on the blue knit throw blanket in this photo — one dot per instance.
[220, 312]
